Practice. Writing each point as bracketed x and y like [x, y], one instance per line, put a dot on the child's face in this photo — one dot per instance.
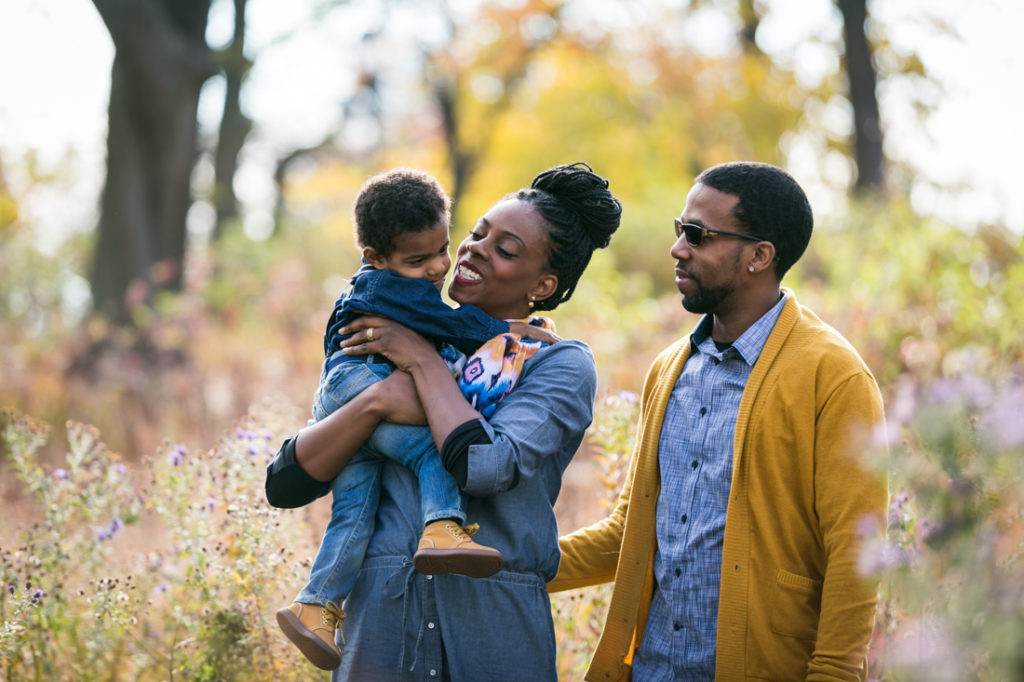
[420, 255]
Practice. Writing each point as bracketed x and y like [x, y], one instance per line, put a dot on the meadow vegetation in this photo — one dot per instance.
[136, 543]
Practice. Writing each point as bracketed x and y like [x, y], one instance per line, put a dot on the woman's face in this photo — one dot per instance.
[503, 262]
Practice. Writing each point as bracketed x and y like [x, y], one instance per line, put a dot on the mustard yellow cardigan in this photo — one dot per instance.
[792, 605]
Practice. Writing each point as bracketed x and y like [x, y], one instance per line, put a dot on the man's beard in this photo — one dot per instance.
[706, 300]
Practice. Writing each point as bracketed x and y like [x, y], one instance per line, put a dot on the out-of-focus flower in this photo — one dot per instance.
[628, 397]
[878, 554]
[61, 473]
[177, 456]
[925, 645]
[107, 533]
[1006, 419]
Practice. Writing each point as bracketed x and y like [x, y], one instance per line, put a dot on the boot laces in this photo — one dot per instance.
[461, 532]
[333, 617]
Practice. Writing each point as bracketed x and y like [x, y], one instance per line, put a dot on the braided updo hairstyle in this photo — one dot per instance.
[583, 215]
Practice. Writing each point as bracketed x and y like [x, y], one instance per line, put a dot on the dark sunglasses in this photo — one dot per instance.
[695, 234]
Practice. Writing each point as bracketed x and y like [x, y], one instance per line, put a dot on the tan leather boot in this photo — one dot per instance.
[446, 547]
[311, 628]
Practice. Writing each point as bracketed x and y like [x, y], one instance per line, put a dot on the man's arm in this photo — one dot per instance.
[846, 492]
[590, 555]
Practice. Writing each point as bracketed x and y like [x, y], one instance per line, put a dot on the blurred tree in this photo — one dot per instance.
[234, 125]
[471, 73]
[161, 61]
[865, 140]
[860, 72]
[474, 83]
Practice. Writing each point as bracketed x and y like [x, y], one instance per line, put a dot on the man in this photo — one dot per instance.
[734, 543]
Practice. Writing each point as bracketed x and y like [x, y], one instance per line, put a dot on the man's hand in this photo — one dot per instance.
[529, 331]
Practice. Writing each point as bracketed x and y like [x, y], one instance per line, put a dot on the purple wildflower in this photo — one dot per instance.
[121, 469]
[877, 555]
[252, 450]
[61, 473]
[107, 533]
[1005, 418]
[903, 405]
[177, 456]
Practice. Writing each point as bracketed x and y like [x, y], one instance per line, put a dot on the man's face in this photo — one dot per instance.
[707, 275]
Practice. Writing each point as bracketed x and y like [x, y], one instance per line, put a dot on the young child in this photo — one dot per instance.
[402, 223]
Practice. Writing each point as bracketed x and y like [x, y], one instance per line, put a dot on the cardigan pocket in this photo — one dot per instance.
[796, 605]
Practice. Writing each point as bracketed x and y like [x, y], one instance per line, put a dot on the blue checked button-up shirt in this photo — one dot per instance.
[695, 456]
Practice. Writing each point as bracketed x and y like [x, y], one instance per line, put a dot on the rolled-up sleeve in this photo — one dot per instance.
[548, 407]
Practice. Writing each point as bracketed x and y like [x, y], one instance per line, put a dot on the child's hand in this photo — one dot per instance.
[529, 331]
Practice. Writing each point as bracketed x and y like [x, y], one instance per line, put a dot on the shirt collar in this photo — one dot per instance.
[751, 342]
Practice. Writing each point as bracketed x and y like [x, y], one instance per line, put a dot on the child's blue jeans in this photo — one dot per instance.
[356, 489]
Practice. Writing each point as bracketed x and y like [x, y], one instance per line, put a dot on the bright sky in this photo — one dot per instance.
[55, 63]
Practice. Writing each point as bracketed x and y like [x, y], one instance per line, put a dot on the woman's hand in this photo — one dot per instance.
[399, 344]
[441, 400]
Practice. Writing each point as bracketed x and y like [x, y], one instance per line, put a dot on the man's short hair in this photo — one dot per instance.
[771, 206]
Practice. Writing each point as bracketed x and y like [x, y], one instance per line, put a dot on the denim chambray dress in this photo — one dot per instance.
[402, 625]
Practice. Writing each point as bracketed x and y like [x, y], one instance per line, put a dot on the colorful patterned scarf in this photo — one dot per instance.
[486, 376]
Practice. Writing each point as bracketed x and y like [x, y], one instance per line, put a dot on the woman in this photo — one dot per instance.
[526, 253]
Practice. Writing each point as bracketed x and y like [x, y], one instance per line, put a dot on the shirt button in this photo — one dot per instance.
[683, 518]
[433, 673]
[430, 625]
[693, 464]
[430, 577]
[703, 411]
[677, 627]
[679, 572]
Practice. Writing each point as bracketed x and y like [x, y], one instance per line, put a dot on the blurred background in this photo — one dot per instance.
[177, 177]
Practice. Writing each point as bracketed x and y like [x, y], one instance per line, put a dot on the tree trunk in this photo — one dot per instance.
[234, 126]
[751, 20]
[867, 130]
[161, 61]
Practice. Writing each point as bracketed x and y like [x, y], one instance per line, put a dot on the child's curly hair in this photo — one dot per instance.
[399, 200]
